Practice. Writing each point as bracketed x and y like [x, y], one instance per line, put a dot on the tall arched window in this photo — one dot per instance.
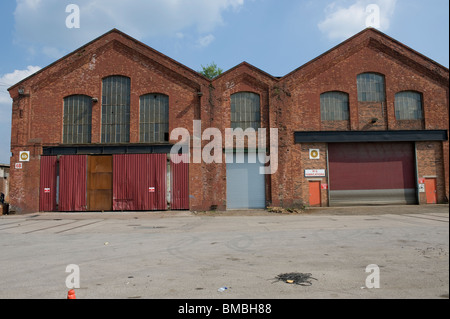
[334, 106]
[77, 120]
[154, 118]
[116, 109]
[371, 87]
[408, 105]
[245, 110]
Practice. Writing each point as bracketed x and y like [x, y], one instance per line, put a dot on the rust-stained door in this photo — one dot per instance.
[100, 177]
[430, 190]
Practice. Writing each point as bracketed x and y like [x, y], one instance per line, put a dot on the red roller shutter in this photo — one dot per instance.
[371, 173]
[180, 184]
[47, 187]
[139, 182]
[72, 181]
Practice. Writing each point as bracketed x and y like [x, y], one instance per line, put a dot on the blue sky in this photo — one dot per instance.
[276, 36]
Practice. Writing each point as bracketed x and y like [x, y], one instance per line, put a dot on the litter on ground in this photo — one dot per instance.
[295, 278]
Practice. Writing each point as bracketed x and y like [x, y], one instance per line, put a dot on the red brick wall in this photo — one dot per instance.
[290, 104]
[337, 71]
[38, 117]
[430, 164]
[242, 78]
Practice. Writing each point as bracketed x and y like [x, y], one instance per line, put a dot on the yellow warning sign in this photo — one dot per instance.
[314, 154]
[24, 156]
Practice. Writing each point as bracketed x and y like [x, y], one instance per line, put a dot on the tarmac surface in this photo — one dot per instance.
[189, 255]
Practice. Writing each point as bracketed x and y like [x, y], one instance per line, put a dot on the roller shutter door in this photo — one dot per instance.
[245, 185]
[371, 174]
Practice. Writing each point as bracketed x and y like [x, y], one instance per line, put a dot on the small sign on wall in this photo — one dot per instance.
[421, 188]
[151, 189]
[324, 186]
[314, 154]
[24, 156]
[18, 166]
[47, 190]
[315, 173]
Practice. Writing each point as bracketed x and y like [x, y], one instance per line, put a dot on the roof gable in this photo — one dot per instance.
[376, 40]
[369, 37]
[247, 68]
[113, 39]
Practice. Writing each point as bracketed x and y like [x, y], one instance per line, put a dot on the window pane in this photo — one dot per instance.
[154, 118]
[245, 110]
[334, 106]
[408, 106]
[370, 87]
[116, 110]
[77, 119]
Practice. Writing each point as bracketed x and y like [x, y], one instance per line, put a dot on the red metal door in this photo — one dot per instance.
[47, 187]
[72, 183]
[180, 184]
[371, 173]
[430, 190]
[139, 182]
[314, 193]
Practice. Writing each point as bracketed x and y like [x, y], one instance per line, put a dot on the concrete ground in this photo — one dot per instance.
[189, 255]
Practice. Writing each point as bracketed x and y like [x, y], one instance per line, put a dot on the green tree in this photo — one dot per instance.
[211, 71]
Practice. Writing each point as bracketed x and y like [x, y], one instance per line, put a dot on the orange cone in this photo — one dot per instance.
[71, 294]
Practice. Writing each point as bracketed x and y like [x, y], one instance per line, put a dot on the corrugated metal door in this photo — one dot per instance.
[72, 183]
[139, 182]
[180, 184]
[47, 187]
[245, 185]
[371, 173]
[100, 183]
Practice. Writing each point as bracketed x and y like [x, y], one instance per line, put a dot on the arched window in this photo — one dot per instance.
[334, 106]
[77, 119]
[154, 118]
[371, 87]
[245, 110]
[116, 109]
[408, 106]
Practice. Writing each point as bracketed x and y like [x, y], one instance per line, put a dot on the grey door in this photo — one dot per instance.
[245, 184]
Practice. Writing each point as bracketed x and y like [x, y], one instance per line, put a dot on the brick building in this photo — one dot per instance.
[364, 123]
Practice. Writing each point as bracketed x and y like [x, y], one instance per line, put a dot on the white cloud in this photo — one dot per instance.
[41, 24]
[9, 79]
[344, 19]
[6, 81]
[205, 41]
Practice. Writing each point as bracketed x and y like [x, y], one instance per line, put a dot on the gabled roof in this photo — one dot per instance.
[369, 37]
[376, 39]
[141, 45]
[248, 65]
